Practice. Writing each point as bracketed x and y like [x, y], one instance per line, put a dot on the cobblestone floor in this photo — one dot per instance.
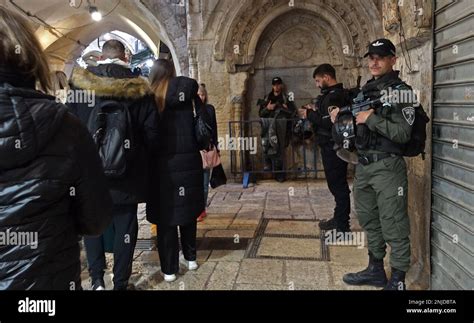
[262, 238]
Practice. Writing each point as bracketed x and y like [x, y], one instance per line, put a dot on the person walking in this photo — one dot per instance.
[177, 196]
[123, 122]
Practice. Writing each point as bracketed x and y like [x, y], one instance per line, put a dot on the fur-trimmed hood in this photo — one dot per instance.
[132, 88]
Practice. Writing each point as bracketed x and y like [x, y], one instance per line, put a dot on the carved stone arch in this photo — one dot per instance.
[295, 20]
[245, 23]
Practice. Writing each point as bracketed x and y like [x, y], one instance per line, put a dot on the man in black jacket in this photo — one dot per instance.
[335, 169]
[113, 80]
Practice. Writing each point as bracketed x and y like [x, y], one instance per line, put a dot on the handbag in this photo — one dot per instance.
[218, 177]
[211, 158]
[202, 130]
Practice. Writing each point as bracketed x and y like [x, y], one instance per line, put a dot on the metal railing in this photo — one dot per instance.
[300, 158]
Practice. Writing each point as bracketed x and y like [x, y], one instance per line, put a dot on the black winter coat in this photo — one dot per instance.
[177, 196]
[115, 82]
[51, 185]
[332, 96]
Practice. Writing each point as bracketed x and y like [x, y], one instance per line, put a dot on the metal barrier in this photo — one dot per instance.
[300, 158]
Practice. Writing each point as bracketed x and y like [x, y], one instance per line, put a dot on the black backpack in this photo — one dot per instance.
[416, 145]
[111, 127]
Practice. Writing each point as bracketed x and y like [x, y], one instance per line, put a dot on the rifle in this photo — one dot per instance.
[263, 102]
[360, 104]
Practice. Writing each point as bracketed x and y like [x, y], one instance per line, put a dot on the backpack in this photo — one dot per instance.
[110, 125]
[416, 145]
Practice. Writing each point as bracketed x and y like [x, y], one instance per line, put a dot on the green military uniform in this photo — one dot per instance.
[381, 185]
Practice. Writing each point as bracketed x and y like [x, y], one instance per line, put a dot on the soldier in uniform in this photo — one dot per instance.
[275, 112]
[381, 185]
[335, 169]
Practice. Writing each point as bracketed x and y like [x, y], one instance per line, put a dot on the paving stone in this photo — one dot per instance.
[203, 256]
[244, 222]
[260, 271]
[307, 273]
[224, 275]
[205, 268]
[184, 283]
[254, 287]
[233, 187]
[222, 208]
[214, 215]
[215, 223]
[242, 226]
[144, 231]
[298, 216]
[289, 247]
[227, 255]
[277, 214]
[229, 233]
[258, 196]
[351, 256]
[249, 214]
[292, 227]
[233, 196]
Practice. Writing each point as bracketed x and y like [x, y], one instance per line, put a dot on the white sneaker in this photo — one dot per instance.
[169, 278]
[190, 265]
[193, 265]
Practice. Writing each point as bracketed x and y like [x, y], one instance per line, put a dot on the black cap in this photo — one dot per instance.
[382, 47]
[277, 80]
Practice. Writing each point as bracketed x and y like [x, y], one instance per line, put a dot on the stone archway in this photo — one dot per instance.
[150, 21]
[244, 34]
[254, 41]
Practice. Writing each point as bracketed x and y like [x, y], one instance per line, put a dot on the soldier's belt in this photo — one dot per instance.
[373, 158]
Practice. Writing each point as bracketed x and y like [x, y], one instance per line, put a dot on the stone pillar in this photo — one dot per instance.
[193, 63]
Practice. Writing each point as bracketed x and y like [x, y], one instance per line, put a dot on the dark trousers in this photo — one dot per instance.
[168, 246]
[336, 176]
[276, 165]
[125, 226]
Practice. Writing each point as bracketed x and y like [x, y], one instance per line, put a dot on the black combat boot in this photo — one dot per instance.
[328, 225]
[373, 275]
[397, 281]
[331, 224]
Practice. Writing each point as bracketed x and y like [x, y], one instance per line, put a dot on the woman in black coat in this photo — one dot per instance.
[52, 186]
[211, 111]
[177, 197]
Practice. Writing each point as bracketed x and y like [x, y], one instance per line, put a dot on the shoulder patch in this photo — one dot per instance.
[409, 115]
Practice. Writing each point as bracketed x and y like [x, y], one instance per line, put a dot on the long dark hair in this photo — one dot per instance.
[161, 74]
[20, 49]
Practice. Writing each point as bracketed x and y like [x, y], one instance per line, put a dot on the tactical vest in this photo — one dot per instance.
[371, 140]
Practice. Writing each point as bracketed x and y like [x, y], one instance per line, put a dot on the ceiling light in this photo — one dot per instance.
[95, 14]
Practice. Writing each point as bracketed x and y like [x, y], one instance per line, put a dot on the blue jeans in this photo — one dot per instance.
[207, 178]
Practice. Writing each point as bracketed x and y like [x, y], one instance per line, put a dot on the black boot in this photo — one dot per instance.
[328, 225]
[397, 281]
[332, 224]
[373, 275]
